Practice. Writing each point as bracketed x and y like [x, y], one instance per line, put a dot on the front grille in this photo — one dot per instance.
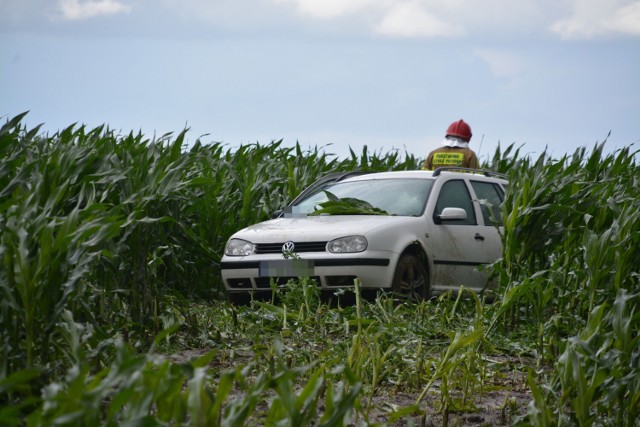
[276, 248]
[240, 283]
[265, 282]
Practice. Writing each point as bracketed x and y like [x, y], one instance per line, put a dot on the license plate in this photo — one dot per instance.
[286, 268]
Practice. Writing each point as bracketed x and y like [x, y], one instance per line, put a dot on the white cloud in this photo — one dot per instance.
[411, 19]
[626, 19]
[331, 9]
[429, 18]
[593, 18]
[75, 10]
[392, 18]
[570, 19]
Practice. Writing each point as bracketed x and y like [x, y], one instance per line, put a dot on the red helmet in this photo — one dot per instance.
[459, 129]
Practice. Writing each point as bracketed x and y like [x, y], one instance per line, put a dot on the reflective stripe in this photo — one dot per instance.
[448, 159]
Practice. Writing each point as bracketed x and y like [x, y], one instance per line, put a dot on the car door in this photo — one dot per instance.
[489, 197]
[458, 247]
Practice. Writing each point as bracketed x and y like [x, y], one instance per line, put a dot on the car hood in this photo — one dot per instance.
[317, 228]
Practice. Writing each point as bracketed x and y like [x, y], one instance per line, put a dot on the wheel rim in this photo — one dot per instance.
[412, 283]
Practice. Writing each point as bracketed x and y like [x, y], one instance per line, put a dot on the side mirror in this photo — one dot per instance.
[277, 214]
[451, 214]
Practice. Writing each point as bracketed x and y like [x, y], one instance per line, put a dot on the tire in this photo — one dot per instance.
[410, 280]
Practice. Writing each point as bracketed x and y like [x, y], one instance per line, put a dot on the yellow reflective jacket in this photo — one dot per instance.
[451, 156]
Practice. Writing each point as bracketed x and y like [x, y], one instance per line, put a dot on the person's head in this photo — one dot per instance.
[459, 129]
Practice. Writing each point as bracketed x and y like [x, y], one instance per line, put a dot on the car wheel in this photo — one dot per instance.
[410, 280]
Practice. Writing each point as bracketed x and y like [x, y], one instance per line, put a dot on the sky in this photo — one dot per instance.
[552, 75]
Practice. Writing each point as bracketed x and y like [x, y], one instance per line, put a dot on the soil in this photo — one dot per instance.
[495, 408]
[503, 401]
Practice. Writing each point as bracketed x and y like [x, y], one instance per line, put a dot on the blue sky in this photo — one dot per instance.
[389, 74]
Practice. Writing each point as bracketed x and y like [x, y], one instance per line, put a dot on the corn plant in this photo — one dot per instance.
[458, 364]
[571, 248]
[108, 241]
[596, 380]
[52, 232]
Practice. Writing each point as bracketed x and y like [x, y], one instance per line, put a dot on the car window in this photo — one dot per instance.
[490, 198]
[404, 197]
[454, 194]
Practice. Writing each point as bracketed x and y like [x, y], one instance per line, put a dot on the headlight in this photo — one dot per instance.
[238, 247]
[347, 244]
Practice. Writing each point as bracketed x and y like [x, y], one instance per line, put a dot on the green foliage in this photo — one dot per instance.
[571, 250]
[107, 242]
[106, 225]
[346, 206]
[150, 390]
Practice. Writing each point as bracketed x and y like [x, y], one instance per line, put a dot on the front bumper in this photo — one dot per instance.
[256, 273]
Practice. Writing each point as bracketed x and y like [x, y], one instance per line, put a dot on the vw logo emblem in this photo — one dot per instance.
[288, 247]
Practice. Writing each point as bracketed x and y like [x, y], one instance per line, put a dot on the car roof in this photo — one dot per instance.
[423, 174]
[393, 175]
[353, 176]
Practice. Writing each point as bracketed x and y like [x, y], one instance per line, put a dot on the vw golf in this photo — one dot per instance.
[411, 232]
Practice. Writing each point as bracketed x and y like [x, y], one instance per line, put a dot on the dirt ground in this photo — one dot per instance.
[500, 404]
[507, 399]
[495, 408]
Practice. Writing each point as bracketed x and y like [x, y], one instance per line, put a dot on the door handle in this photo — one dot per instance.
[478, 236]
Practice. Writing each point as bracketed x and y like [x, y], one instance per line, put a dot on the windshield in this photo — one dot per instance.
[404, 197]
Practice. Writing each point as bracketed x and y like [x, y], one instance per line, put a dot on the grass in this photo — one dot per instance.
[109, 247]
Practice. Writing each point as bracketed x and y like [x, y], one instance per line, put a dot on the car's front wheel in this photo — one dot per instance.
[410, 280]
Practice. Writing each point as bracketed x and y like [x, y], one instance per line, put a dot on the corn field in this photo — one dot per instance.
[109, 251]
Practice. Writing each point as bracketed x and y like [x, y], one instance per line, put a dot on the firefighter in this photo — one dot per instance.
[455, 149]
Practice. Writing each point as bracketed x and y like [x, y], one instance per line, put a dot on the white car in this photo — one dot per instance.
[410, 232]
